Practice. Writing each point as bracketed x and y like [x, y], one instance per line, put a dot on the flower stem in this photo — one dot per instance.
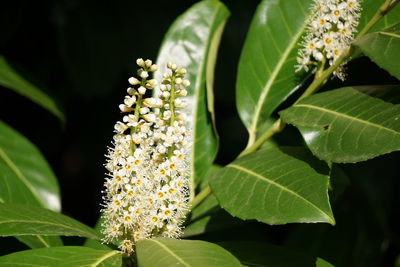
[200, 197]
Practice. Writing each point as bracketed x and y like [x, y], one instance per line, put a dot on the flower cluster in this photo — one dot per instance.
[329, 33]
[147, 189]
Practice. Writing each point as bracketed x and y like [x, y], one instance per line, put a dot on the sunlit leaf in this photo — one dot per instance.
[11, 79]
[273, 187]
[17, 220]
[192, 42]
[62, 256]
[266, 73]
[25, 176]
[173, 252]
[344, 125]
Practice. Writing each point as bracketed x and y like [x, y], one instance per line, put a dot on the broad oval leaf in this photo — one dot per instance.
[174, 252]
[192, 42]
[383, 48]
[9, 78]
[19, 220]
[266, 73]
[62, 256]
[273, 187]
[344, 125]
[25, 176]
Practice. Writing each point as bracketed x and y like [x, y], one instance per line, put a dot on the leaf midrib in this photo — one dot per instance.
[271, 80]
[347, 117]
[170, 251]
[104, 257]
[250, 172]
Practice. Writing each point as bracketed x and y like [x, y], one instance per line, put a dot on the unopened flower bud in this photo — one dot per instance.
[120, 127]
[174, 66]
[153, 68]
[169, 65]
[152, 102]
[133, 81]
[185, 83]
[140, 62]
[165, 94]
[163, 87]
[144, 110]
[178, 80]
[151, 84]
[150, 117]
[131, 91]
[125, 108]
[129, 101]
[144, 74]
[182, 92]
[142, 90]
[182, 71]
[148, 63]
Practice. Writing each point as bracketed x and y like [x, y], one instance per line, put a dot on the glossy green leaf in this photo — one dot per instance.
[383, 48]
[17, 220]
[266, 73]
[344, 125]
[70, 256]
[25, 176]
[192, 42]
[370, 7]
[262, 254]
[173, 252]
[273, 187]
[11, 79]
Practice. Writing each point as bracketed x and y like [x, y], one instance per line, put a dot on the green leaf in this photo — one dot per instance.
[25, 176]
[323, 263]
[262, 254]
[70, 256]
[266, 73]
[383, 48]
[273, 187]
[344, 125]
[173, 252]
[370, 7]
[10, 78]
[17, 220]
[192, 42]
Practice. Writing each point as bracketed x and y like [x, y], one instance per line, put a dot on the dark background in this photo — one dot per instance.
[82, 53]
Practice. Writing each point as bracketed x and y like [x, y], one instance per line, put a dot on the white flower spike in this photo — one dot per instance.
[329, 34]
[146, 191]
